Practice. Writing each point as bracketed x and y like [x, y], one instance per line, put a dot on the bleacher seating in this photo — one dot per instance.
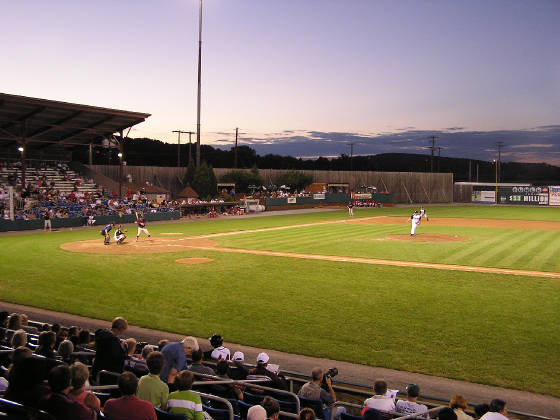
[214, 405]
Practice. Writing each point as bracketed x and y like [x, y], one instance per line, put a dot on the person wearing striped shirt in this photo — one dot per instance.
[185, 401]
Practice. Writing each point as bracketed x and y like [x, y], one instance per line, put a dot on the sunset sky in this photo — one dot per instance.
[304, 77]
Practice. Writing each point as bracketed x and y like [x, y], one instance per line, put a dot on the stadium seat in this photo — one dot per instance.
[243, 407]
[15, 411]
[252, 399]
[216, 413]
[164, 415]
[315, 405]
[346, 416]
[103, 397]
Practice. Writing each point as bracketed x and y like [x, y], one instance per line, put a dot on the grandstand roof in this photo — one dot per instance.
[53, 123]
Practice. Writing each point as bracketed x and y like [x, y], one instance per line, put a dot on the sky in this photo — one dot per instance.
[304, 77]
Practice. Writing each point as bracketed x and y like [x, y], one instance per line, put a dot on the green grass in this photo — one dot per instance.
[493, 329]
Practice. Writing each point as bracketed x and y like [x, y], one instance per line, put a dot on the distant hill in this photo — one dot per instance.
[149, 152]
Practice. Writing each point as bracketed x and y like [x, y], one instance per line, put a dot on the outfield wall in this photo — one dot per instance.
[7, 225]
[405, 187]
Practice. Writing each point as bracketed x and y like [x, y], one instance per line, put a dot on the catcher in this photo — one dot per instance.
[119, 235]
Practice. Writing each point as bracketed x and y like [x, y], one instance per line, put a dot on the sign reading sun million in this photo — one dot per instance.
[524, 195]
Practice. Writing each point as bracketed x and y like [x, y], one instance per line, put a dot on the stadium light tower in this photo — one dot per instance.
[199, 79]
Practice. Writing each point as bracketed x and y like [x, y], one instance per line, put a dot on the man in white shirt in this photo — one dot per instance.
[497, 411]
[410, 406]
[379, 400]
[219, 352]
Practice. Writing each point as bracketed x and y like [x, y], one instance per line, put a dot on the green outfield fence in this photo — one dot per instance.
[318, 199]
[7, 225]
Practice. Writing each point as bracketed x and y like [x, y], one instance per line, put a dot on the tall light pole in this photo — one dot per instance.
[496, 163]
[199, 79]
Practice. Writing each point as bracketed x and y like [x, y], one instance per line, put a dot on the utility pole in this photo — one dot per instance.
[433, 148]
[438, 156]
[235, 150]
[500, 144]
[179, 132]
[351, 155]
[199, 80]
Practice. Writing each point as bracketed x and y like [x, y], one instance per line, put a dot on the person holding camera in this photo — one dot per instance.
[314, 391]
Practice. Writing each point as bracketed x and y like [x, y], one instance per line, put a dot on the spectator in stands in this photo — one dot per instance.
[26, 380]
[58, 404]
[130, 346]
[272, 408]
[307, 414]
[150, 387]
[256, 412]
[185, 401]
[4, 315]
[238, 370]
[47, 340]
[65, 350]
[314, 391]
[197, 365]
[80, 374]
[410, 406]
[481, 409]
[222, 368]
[21, 353]
[61, 335]
[110, 354]
[175, 357]
[459, 404]
[162, 344]
[84, 341]
[496, 411]
[19, 339]
[379, 401]
[219, 352]
[14, 322]
[446, 413]
[261, 370]
[128, 407]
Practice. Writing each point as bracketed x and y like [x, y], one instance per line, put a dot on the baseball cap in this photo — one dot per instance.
[238, 356]
[263, 358]
[413, 390]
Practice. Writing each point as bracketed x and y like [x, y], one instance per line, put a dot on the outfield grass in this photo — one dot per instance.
[493, 329]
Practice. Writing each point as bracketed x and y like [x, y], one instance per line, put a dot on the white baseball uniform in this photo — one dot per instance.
[414, 222]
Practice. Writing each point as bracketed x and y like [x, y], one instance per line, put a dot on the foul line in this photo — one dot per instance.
[376, 261]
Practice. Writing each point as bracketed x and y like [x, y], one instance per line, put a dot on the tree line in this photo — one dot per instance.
[150, 152]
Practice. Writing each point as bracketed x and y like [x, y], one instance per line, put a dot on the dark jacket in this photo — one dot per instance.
[110, 354]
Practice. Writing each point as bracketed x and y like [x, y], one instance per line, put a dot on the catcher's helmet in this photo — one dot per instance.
[216, 340]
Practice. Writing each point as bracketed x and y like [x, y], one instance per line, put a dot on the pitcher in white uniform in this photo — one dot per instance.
[414, 222]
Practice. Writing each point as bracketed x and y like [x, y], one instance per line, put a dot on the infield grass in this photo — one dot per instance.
[493, 329]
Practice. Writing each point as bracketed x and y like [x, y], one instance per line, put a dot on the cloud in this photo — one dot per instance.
[538, 144]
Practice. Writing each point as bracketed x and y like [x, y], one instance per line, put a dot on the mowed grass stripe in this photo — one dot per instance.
[479, 245]
[501, 247]
[548, 256]
[523, 251]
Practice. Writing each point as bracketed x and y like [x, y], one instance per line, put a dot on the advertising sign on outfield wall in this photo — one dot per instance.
[484, 197]
[554, 196]
[532, 196]
[319, 196]
[291, 200]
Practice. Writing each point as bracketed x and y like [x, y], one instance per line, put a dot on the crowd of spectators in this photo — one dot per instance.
[152, 379]
[55, 191]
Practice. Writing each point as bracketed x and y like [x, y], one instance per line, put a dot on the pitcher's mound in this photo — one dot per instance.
[193, 260]
[428, 237]
[143, 246]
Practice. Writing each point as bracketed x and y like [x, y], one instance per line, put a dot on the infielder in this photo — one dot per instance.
[141, 222]
[414, 221]
[105, 232]
[424, 213]
[350, 209]
[119, 235]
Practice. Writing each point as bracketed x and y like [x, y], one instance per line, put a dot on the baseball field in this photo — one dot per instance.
[474, 296]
